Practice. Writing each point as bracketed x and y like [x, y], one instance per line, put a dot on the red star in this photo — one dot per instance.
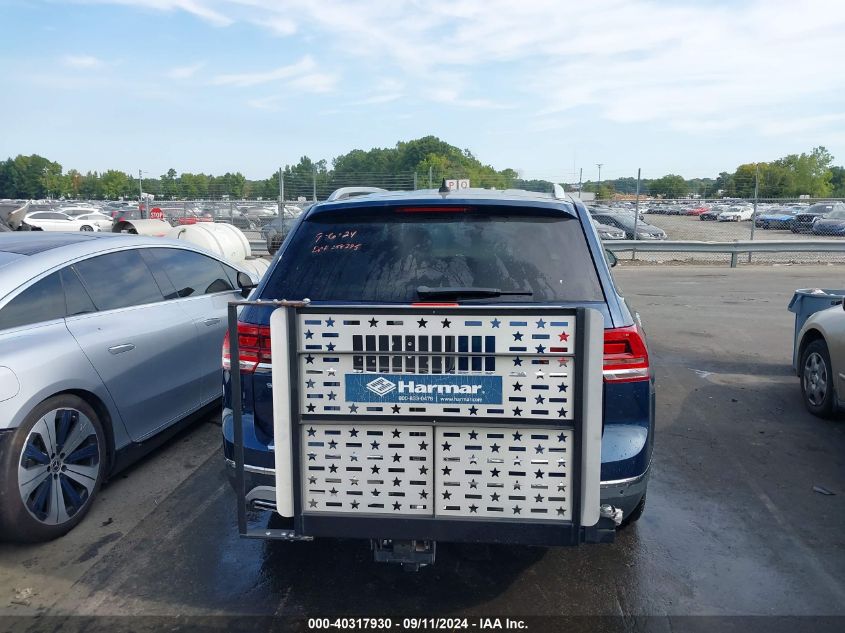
[563, 361]
[564, 336]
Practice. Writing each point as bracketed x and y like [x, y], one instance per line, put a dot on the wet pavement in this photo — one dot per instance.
[732, 524]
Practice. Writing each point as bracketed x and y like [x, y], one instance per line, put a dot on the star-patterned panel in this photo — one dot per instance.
[536, 370]
[521, 473]
[367, 469]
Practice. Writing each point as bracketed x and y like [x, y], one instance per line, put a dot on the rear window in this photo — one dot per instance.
[385, 255]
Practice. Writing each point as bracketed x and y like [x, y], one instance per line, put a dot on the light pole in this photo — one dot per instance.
[140, 192]
[598, 189]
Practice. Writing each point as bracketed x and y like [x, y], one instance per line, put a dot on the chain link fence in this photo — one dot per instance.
[701, 219]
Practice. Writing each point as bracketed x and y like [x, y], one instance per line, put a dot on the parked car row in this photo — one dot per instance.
[822, 218]
[620, 224]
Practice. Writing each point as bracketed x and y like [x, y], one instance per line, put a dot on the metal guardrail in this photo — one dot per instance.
[732, 248]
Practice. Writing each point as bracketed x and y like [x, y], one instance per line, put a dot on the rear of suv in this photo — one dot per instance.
[445, 255]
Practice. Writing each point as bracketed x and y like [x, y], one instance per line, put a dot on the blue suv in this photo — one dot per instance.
[509, 251]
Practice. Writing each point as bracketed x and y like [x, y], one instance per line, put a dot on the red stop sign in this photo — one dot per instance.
[156, 214]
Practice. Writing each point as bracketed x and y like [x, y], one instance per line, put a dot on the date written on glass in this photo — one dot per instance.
[336, 242]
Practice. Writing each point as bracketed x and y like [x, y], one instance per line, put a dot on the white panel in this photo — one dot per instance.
[281, 412]
[367, 469]
[592, 417]
[511, 473]
[354, 364]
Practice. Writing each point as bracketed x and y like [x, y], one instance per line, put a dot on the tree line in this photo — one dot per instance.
[812, 174]
[418, 163]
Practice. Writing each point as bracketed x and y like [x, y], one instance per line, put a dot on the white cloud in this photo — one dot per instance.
[683, 65]
[184, 72]
[271, 104]
[200, 8]
[82, 61]
[300, 67]
[278, 25]
[315, 82]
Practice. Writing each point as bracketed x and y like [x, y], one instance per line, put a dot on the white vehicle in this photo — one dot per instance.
[101, 220]
[736, 213]
[57, 221]
[78, 209]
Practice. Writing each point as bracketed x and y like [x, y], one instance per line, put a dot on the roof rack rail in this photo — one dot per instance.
[350, 192]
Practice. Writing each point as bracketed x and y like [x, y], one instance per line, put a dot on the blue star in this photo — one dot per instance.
[330, 347]
[309, 334]
[517, 336]
[517, 361]
[330, 322]
[541, 323]
[561, 387]
[495, 322]
[538, 399]
[332, 395]
[541, 349]
[309, 383]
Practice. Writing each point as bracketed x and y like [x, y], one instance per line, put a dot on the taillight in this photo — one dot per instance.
[625, 355]
[253, 347]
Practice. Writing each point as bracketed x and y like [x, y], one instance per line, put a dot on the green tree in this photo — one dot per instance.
[169, 184]
[837, 182]
[114, 184]
[669, 186]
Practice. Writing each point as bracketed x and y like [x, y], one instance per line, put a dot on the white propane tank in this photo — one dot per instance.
[223, 239]
[256, 265]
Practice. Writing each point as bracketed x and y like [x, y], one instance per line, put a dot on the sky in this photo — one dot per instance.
[547, 87]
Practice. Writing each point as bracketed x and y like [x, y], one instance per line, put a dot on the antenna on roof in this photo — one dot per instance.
[559, 193]
[444, 188]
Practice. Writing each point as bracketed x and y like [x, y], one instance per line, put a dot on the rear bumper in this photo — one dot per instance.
[260, 482]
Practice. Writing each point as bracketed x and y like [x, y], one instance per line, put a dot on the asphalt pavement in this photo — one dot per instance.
[732, 525]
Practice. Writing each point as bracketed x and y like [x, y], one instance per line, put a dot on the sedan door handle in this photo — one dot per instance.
[212, 321]
[119, 349]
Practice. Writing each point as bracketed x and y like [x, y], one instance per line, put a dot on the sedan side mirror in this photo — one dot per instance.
[245, 283]
[611, 257]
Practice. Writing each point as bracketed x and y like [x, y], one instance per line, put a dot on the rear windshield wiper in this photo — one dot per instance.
[467, 292]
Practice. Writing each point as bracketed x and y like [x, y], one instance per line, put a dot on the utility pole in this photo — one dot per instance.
[756, 191]
[140, 192]
[636, 212]
[598, 189]
[580, 178]
[281, 194]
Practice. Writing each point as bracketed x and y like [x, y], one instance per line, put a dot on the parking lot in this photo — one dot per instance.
[732, 524]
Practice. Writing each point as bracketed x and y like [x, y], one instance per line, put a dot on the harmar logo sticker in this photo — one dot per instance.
[424, 388]
[381, 386]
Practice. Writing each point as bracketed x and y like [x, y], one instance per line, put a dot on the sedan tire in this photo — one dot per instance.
[86, 228]
[817, 379]
[51, 470]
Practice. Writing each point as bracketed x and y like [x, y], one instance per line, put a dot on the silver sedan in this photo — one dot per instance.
[106, 343]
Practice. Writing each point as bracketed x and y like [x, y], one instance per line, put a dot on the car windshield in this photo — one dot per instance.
[838, 214]
[371, 255]
[820, 208]
[627, 221]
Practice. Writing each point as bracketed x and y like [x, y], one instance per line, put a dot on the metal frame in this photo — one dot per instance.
[732, 248]
[307, 526]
